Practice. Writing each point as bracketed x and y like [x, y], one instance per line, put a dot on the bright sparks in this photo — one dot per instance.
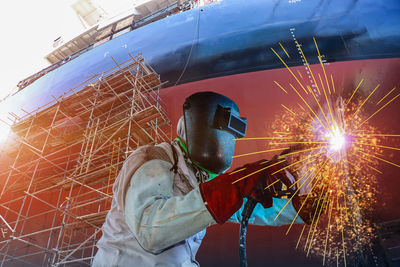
[336, 152]
[336, 139]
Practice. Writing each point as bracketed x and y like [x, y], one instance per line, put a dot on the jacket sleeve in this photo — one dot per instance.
[261, 216]
[157, 218]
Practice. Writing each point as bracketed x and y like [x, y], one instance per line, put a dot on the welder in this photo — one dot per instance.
[166, 195]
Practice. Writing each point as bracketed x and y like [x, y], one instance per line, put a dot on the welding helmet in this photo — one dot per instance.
[212, 123]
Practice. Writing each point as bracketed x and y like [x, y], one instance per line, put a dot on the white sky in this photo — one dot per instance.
[28, 28]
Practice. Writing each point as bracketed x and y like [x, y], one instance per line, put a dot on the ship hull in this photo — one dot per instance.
[226, 48]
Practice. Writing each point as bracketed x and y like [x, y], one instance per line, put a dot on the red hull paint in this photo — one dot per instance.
[259, 99]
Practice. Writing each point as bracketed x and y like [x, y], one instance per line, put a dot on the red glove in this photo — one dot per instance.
[224, 194]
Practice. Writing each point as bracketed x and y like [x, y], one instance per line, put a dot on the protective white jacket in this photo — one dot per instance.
[158, 218]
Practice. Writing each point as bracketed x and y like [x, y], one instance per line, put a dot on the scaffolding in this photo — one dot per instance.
[64, 158]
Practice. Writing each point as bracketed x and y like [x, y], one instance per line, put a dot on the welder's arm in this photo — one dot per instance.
[262, 216]
[224, 194]
[157, 217]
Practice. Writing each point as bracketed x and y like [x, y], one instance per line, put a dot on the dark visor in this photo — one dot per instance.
[225, 120]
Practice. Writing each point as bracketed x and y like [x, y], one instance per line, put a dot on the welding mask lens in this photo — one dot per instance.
[227, 121]
[237, 125]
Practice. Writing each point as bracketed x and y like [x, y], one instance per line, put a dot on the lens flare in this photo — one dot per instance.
[4, 132]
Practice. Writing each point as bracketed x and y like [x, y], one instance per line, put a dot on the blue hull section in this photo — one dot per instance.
[233, 37]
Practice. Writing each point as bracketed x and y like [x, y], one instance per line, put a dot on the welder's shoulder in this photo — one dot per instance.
[149, 152]
[135, 162]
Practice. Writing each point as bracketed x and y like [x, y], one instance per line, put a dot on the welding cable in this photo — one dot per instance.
[246, 213]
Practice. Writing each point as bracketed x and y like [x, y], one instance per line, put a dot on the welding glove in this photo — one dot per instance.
[224, 194]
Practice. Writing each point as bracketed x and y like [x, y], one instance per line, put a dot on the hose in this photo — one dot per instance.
[246, 213]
